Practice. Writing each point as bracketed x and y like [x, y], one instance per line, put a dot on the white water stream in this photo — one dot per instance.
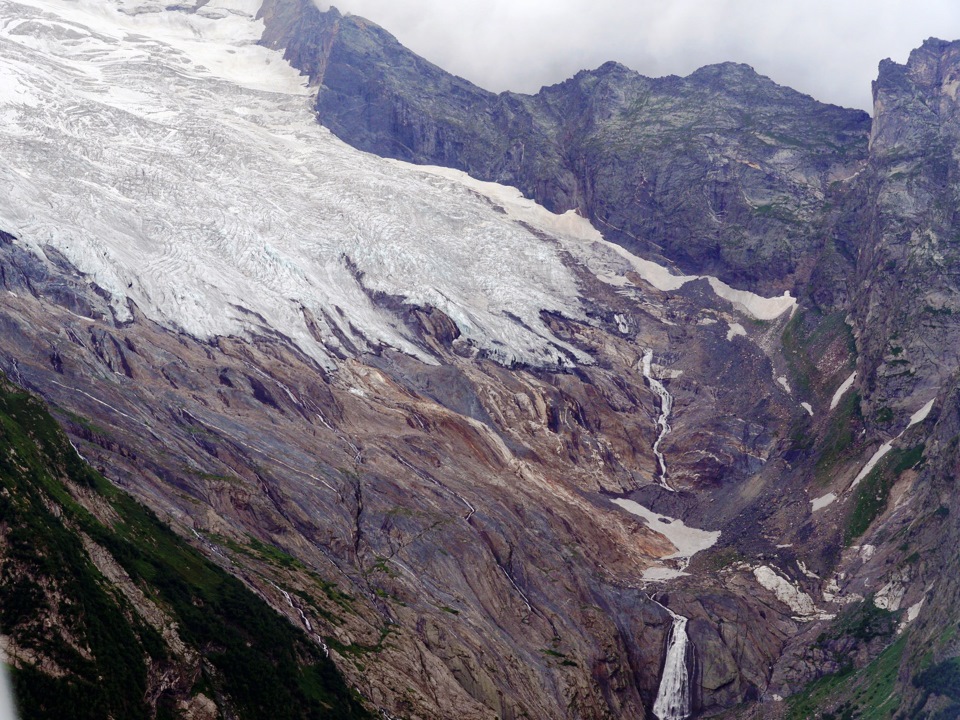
[666, 405]
[8, 709]
[674, 699]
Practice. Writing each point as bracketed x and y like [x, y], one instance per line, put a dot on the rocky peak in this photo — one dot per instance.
[915, 102]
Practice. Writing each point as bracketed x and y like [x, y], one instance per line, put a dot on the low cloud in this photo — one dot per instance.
[825, 48]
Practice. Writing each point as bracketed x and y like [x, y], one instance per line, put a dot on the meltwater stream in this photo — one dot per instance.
[8, 710]
[674, 699]
[666, 405]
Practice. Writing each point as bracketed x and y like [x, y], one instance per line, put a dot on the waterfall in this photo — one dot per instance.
[8, 710]
[666, 405]
[674, 699]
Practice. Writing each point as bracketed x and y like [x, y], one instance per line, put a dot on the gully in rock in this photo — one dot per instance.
[666, 405]
[674, 697]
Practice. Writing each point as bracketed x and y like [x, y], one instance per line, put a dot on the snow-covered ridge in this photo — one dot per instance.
[177, 163]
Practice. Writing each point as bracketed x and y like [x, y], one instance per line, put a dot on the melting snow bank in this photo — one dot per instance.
[687, 540]
[180, 166]
[846, 385]
[918, 417]
[790, 595]
[666, 405]
[608, 261]
[913, 612]
[821, 502]
[734, 330]
[674, 699]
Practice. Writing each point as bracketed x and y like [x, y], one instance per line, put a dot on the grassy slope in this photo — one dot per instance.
[85, 651]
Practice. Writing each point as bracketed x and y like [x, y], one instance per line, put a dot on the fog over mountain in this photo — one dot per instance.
[827, 49]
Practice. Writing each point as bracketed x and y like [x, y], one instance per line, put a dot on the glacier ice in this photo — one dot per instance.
[179, 165]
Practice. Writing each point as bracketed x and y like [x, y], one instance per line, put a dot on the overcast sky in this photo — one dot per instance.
[827, 48]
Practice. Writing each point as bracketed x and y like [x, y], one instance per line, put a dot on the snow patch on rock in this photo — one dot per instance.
[841, 391]
[913, 612]
[610, 262]
[918, 417]
[821, 502]
[735, 330]
[688, 541]
[786, 592]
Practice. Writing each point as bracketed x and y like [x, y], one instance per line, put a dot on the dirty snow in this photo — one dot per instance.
[808, 407]
[913, 612]
[791, 596]
[821, 502]
[846, 385]
[920, 415]
[687, 540]
[735, 330]
[608, 261]
[890, 596]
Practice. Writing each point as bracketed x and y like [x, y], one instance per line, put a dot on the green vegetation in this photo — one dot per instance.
[723, 557]
[840, 436]
[54, 601]
[867, 693]
[874, 490]
[883, 416]
[808, 335]
[942, 679]
[865, 621]
[817, 695]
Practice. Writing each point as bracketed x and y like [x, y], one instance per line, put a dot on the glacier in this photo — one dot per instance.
[178, 164]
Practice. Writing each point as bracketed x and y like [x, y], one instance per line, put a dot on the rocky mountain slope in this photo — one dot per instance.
[490, 461]
[106, 613]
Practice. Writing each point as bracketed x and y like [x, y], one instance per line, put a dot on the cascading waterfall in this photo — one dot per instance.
[674, 699]
[666, 405]
[8, 708]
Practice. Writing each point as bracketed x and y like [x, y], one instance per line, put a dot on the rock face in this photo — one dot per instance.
[908, 228]
[722, 172]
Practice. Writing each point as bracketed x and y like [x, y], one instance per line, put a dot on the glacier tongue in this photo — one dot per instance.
[178, 164]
